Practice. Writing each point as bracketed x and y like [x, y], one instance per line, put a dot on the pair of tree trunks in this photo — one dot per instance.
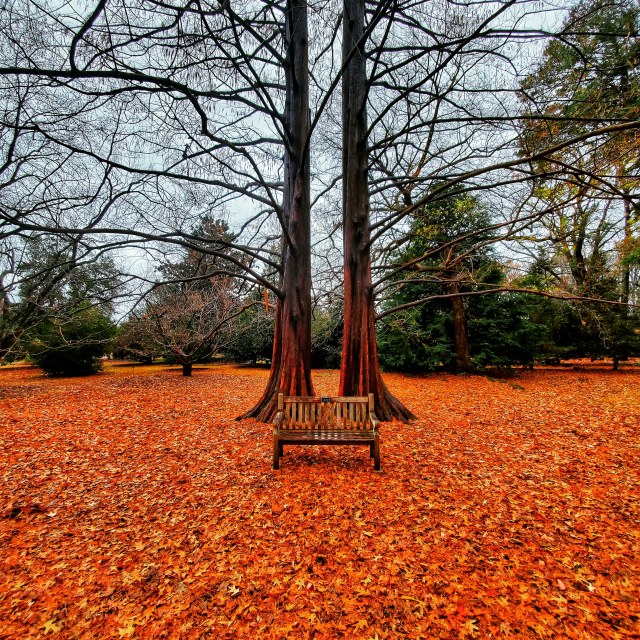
[291, 363]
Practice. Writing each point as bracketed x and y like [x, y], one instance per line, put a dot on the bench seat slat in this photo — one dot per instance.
[316, 434]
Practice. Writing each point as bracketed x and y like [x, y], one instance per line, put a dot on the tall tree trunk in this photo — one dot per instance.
[359, 368]
[291, 361]
[626, 269]
[187, 368]
[625, 97]
[462, 360]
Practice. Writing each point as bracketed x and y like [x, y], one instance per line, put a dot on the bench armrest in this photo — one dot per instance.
[375, 423]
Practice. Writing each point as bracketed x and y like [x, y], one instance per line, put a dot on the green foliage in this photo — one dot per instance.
[72, 346]
[502, 332]
[630, 252]
[584, 329]
[133, 342]
[588, 79]
[206, 258]
[65, 305]
[251, 337]
[415, 340]
[54, 278]
[590, 73]
[452, 238]
[326, 337]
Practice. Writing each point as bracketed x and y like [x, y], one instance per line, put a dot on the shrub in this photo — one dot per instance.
[74, 346]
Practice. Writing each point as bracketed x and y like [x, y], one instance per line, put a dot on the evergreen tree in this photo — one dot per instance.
[73, 346]
[451, 260]
[588, 329]
[70, 301]
[250, 337]
[326, 335]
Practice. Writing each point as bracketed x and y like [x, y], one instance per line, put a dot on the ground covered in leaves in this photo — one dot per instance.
[133, 505]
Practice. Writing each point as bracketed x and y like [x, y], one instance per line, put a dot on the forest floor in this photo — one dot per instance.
[133, 505]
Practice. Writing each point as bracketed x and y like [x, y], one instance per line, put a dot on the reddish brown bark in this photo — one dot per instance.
[359, 370]
[290, 367]
[291, 361]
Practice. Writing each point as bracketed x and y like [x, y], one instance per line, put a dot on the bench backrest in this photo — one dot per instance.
[325, 412]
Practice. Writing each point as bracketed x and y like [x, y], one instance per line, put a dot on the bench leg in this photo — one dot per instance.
[371, 451]
[280, 450]
[376, 453]
[276, 450]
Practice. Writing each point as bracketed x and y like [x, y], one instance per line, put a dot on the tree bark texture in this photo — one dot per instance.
[462, 361]
[187, 368]
[626, 269]
[359, 369]
[291, 362]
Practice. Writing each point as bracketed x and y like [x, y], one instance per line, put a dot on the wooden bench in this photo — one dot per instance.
[309, 420]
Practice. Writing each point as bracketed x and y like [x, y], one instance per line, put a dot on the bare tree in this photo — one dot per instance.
[129, 122]
[187, 323]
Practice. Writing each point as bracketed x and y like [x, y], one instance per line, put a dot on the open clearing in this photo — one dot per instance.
[133, 505]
